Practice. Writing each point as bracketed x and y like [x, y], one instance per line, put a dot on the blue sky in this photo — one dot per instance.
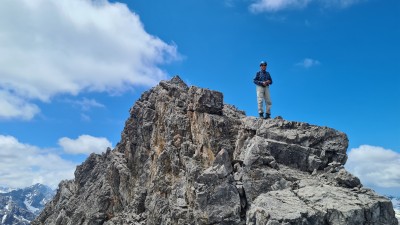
[71, 69]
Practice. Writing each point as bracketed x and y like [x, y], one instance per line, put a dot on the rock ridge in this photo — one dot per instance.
[185, 157]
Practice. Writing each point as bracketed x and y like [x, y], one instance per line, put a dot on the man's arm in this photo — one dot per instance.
[257, 80]
[269, 78]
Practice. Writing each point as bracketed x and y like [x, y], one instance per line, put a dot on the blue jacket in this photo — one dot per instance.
[262, 76]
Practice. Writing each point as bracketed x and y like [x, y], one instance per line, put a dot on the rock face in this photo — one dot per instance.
[187, 158]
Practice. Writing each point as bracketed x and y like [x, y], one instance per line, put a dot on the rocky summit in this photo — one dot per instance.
[186, 158]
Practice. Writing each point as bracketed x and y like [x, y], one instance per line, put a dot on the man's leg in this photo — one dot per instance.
[268, 102]
[260, 98]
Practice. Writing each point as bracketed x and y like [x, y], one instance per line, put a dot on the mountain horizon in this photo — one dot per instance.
[22, 205]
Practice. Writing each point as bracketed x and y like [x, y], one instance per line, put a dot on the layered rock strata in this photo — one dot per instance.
[185, 157]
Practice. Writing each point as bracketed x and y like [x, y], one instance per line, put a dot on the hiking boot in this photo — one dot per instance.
[261, 115]
[267, 116]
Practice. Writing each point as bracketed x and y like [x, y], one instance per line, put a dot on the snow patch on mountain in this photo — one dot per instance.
[396, 205]
[30, 207]
[5, 189]
[21, 206]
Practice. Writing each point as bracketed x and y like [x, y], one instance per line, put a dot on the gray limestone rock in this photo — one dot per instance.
[185, 158]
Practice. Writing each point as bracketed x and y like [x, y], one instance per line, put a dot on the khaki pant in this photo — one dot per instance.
[263, 95]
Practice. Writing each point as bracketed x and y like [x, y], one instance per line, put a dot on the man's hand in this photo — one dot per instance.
[266, 83]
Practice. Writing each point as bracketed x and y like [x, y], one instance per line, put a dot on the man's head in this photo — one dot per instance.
[263, 65]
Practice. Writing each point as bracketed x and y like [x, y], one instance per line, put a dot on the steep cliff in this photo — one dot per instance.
[185, 157]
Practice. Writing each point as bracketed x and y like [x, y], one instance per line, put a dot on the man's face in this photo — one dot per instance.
[263, 67]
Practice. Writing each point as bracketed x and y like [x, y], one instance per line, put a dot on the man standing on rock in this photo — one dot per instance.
[263, 80]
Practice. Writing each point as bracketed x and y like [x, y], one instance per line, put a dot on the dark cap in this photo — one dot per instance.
[263, 63]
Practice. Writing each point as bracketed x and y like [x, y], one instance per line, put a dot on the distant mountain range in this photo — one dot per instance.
[5, 189]
[20, 206]
[396, 205]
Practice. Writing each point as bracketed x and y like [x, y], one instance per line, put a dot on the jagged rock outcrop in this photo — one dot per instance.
[185, 157]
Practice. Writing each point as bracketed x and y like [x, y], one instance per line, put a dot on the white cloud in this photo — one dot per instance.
[307, 63]
[84, 144]
[340, 3]
[12, 107]
[259, 6]
[86, 104]
[277, 5]
[85, 117]
[22, 165]
[229, 3]
[72, 46]
[375, 166]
